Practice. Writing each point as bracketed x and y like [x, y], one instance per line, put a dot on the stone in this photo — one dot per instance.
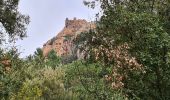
[62, 44]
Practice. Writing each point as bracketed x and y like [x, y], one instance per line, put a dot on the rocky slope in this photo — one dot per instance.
[62, 43]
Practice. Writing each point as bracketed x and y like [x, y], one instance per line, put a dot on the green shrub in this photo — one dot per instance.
[87, 80]
[48, 84]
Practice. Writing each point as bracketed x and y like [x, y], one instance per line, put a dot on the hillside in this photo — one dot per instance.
[62, 42]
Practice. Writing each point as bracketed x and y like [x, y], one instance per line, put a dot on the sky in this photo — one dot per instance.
[47, 19]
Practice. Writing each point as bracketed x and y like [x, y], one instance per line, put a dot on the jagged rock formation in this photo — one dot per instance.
[62, 43]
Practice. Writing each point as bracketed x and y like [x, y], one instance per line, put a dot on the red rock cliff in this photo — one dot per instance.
[62, 43]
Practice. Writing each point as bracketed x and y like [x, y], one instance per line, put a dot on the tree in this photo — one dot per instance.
[52, 59]
[39, 57]
[139, 30]
[12, 22]
[10, 64]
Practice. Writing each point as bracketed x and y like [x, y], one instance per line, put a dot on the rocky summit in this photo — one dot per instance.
[62, 43]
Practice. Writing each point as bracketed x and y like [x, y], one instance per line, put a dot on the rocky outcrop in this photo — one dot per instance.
[62, 43]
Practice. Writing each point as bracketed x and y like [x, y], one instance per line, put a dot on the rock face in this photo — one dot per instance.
[62, 43]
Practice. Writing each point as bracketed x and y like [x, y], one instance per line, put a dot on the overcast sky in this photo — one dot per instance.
[47, 19]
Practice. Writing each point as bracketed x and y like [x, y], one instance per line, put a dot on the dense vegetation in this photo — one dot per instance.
[126, 57]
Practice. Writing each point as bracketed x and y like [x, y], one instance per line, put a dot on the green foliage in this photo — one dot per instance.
[76, 81]
[27, 81]
[52, 59]
[38, 58]
[28, 92]
[143, 26]
[88, 81]
[47, 84]
[12, 21]
[127, 56]
[9, 80]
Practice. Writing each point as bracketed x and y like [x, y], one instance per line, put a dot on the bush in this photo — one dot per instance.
[88, 81]
[48, 84]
